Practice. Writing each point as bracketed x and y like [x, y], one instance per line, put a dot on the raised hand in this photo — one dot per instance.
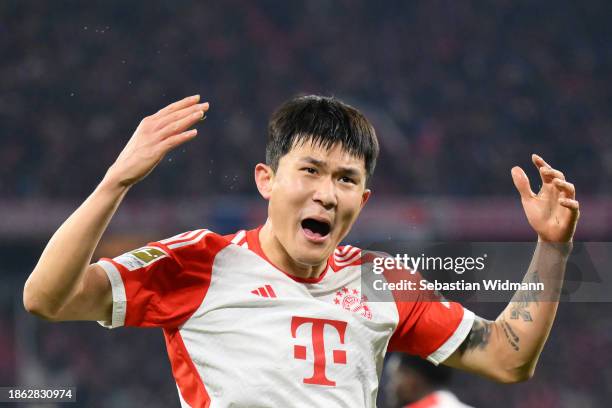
[155, 136]
[554, 211]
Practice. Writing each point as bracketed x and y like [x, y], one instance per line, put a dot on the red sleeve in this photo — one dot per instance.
[428, 325]
[163, 283]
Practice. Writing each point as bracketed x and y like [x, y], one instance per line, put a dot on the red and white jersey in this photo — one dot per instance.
[439, 399]
[240, 332]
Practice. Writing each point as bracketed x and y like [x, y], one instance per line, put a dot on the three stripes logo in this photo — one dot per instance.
[264, 291]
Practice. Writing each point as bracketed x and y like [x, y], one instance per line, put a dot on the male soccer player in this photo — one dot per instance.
[274, 316]
[414, 383]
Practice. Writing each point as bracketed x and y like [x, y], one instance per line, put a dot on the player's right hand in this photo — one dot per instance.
[155, 136]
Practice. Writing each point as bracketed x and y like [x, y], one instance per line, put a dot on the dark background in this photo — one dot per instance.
[459, 92]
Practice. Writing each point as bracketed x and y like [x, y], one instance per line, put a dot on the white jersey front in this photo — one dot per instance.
[242, 333]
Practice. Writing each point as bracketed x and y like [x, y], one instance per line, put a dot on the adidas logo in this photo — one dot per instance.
[264, 291]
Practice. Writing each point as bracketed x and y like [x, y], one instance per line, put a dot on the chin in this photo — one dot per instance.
[312, 257]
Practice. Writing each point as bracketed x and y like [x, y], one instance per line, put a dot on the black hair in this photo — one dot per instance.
[325, 122]
[437, 376]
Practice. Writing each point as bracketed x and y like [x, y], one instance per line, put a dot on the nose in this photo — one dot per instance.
[325, 193]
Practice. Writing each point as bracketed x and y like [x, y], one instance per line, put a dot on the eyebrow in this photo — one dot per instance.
[350, 171]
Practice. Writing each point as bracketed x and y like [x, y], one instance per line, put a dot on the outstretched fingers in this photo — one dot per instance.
[182, 123]
[150, 142]
[566, 189]
[178, 105]
[172, 142]
[547, 173]
[180, 114]
[570, 204]
[521, 182]
[538, 161]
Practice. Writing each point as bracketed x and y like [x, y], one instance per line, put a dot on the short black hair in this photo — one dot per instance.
[323, 121]
[437, 376]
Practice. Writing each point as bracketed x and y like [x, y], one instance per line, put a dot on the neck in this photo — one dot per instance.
[279, 257]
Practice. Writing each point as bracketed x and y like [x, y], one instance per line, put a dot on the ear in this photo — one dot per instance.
[264, 176]
[365, 197]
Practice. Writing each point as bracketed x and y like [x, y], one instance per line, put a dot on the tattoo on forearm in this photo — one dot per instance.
[524, 298]
[511, 336]
[519, 310]
[479, 336]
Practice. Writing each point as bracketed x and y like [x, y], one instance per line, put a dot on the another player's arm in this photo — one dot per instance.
[63, 285]
[508, 348]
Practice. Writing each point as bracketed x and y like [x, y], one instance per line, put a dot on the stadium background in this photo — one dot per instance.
[459, 92]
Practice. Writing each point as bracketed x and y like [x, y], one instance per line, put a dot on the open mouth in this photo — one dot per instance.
[315, 229]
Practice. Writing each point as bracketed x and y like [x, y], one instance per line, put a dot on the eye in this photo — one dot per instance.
[310, 170]
[346, 179]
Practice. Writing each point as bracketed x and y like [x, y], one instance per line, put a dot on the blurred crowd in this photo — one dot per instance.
[459, 91]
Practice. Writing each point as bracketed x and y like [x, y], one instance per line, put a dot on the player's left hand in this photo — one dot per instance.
[554, 211]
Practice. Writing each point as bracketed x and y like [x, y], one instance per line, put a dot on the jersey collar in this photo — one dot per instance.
[254, 245]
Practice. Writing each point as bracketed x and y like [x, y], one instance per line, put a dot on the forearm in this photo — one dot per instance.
[508, 349]
[523, 326]
[69, 251]
[60, 272]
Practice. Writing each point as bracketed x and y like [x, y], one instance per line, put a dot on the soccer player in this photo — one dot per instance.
[275, 316]
[414, 383]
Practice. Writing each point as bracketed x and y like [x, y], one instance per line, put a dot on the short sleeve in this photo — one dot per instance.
[163, 283]
[429, 326]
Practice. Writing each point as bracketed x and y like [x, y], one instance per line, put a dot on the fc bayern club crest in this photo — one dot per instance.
[351, 300]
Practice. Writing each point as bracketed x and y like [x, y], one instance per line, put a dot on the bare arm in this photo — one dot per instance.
[63, 285]
[508, 348]
[63, 265]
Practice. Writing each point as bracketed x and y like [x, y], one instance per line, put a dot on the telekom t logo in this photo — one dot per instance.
[318, 346]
